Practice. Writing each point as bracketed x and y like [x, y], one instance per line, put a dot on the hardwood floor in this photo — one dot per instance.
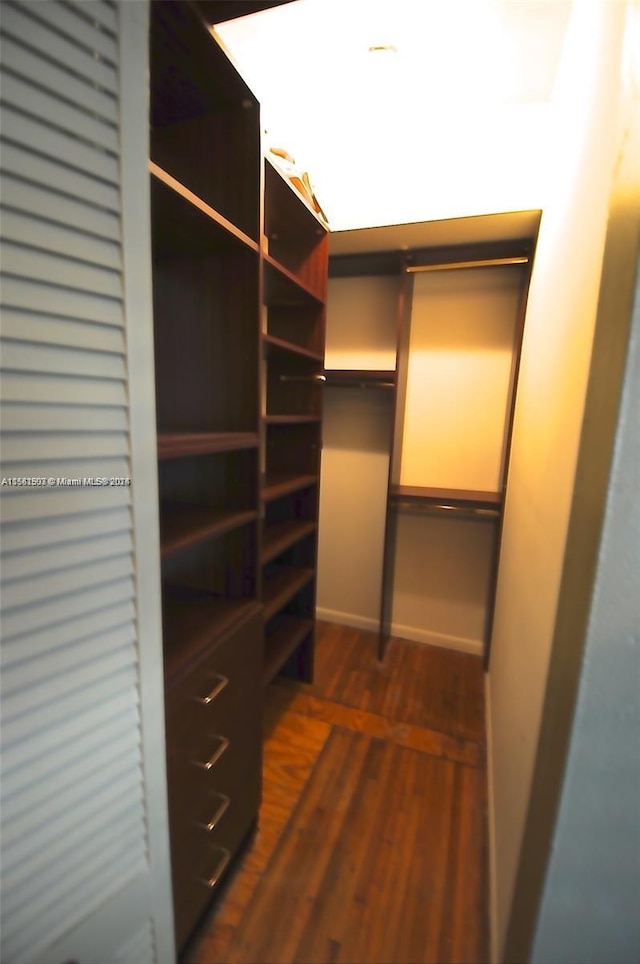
[371, 844]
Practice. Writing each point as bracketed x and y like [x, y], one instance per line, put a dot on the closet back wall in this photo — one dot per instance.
[457, 406]
[361, 334]
[462, 333]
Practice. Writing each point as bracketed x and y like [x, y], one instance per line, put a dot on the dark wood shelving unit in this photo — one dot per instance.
[292, 419]
[186, 525]
[175, 445]
[284, 634]
[205, 126]
[282, 290]
[276, 485]
[281, 585]
[279, 536]
[285, 286]
[274, 344]
[206, 189]
[295, 263]
[193, 620]
[239, 284]
[187, 223]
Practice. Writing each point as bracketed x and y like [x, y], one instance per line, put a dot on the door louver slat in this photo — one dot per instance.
[77, 816]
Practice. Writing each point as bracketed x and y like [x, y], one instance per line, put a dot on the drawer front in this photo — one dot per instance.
[200, 856]
[216, 812]
[214, 759]
[221, 692]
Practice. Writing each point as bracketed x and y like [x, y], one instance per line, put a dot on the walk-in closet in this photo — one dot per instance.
[318, 523]
[422, 357]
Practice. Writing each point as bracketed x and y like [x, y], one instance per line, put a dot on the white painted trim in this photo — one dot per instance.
[491, 842]
[460, 644]
[136, 233]
[348, 619]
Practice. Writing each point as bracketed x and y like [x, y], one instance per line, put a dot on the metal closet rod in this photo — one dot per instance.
[482, 263]
[303, 378]
[443, 508]
[359, 383]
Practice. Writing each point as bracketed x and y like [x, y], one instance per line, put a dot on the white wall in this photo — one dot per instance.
[457, 399]
[441, 581]
[556, 355]
[361, 333]
[361, 323]
[589, 912]
[460, 352]
[353, 499]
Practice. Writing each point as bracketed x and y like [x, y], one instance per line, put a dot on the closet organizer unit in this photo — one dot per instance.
[238, 464]
[293, 324]
[205, 196]
[424, 484]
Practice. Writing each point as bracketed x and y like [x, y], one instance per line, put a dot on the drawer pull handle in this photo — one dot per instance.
[225, 857]
[213, 759]
[221, 682]
[215, 820]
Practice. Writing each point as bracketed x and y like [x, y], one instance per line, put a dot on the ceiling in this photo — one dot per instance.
[504, 49]
[511, 226]
[449, 67]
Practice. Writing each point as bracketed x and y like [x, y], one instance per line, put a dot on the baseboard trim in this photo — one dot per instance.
[348, 619]
[458, 643]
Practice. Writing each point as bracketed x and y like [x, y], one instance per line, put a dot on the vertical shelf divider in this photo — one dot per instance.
[403, 336]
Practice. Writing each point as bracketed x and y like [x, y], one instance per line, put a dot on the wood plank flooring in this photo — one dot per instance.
[371, 843]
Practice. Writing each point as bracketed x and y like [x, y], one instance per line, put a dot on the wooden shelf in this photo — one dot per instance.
[361, 378]
[275, 485]
[458, 503]
[184, 224]
[291, 419]
[283, 636]
[185, 525]
[279, 536]
[205, 126]
[283, 288]
[175, 445]
[281, 585]
[481, 498]
[193, 621]
[273, 344]
[191, 74]
[273, 168]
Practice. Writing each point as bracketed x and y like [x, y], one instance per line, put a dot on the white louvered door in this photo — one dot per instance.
[85, 860]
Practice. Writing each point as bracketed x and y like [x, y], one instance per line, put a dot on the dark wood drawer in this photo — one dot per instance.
[213, 747]
[212, 694]
[200, 857]
[214, 760]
